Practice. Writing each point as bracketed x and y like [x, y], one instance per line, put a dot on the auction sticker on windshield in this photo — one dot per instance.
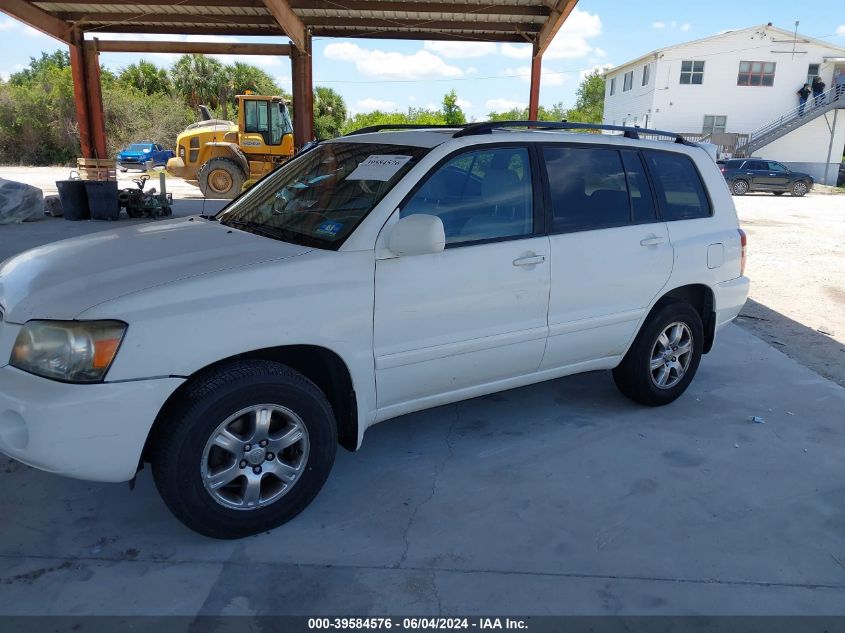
[378, 167]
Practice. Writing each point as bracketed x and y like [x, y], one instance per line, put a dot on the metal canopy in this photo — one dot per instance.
[532, 21]
[525, 21]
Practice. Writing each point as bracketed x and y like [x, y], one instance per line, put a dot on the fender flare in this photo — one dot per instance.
[234, 152]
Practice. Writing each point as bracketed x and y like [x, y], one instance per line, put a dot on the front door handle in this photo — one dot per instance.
[529, 260]
[653, 240]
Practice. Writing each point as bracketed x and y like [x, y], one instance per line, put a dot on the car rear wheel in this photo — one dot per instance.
[799, 189]
[739, 187]
[245, 450]
[664, 357]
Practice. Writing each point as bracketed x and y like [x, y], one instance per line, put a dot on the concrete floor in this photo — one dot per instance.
[560, 498]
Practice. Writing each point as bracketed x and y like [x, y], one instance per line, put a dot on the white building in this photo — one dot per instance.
[738, 82]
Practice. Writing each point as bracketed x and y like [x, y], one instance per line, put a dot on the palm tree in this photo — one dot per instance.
[198, 79]
[329, 112]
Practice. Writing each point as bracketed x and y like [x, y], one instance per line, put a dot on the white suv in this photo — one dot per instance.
[374, 275]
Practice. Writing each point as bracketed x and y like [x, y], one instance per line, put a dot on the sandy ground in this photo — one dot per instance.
[795, 261]
[45, 178]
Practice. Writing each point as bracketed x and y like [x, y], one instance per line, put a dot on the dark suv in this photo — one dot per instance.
[758, 174]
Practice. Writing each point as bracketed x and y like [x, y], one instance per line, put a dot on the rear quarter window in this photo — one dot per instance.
[677, 183]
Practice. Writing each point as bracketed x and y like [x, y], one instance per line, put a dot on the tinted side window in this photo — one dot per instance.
[480, 195]
[756, 165]
[680, 192]
[734, 164]
[642, 201]
[587, 187]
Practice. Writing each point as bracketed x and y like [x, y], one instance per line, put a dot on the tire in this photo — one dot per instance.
[207, 487]
[739, 187]
[778, 193]
[800, 189]
[220, 179]
[635, 377]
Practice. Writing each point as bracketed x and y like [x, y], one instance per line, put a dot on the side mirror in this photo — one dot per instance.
[419, 234]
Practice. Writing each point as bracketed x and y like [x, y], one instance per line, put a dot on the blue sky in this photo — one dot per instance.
[390, 74]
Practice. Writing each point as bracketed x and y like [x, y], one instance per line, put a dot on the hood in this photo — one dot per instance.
[63, 279]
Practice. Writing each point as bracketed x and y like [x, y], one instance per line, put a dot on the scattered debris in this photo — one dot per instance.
[825, 330]
[789, 413]
[736, 445]
[53, 206]
[756, 419]
[20, 202]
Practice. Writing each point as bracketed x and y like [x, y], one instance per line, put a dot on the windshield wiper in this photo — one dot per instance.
[252, 226]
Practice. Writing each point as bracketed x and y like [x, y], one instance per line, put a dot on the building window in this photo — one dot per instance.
[714, 124]
[628, 81]
[646, 73]
[756, 74]
[692, 72]
[612, 86]
[812, 72]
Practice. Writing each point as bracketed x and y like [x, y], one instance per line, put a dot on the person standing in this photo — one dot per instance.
[839, 83]
[818, 90]
[803, 95]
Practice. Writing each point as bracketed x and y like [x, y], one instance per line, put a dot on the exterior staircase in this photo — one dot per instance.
[788, 122]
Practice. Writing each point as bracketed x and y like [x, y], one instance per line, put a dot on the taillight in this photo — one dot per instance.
[743, 242]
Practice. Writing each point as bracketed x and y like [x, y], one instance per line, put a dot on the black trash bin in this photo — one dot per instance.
[74, 199]
[102, 199]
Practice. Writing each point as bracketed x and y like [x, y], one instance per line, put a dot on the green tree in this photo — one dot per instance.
[199, 79]
[452, 113]
[329, 113]
[38, 67]
[589, 100]
[415, 116]
[146, 77]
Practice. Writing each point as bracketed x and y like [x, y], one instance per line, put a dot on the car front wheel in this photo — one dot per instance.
[245, 450]
[664, 357]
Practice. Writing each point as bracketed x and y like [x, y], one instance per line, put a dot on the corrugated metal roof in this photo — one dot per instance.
[491, 20]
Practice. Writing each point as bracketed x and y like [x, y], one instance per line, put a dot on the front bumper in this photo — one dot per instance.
[94, 432]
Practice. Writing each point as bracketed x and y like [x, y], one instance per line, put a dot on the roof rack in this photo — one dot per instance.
[629, 132]
[402, 126]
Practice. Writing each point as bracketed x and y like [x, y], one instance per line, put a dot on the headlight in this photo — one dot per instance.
[73, 351]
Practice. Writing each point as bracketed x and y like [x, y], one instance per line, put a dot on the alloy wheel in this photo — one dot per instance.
[255, 457]
[671, 355]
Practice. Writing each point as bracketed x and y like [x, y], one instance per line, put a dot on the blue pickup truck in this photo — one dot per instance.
[138, 155]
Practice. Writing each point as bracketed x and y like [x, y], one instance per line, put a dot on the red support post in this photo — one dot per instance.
[80, 96]
[95, 102]
[534, 95]
[303, 94]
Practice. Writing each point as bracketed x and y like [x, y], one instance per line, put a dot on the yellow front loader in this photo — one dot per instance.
[219, 156]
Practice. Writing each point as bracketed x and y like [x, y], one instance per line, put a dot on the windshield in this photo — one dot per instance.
[320, 197]
[138, 147]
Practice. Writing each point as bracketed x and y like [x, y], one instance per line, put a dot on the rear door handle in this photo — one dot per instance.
[529, 260]
[653, 240]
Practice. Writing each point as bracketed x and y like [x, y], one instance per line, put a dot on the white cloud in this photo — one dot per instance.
[572, 39]
[390, 65]
[841, 30]
[599, 52]
[516, 51]
[368, 105]
[461, 50]
[598, 67]
[503, 105]
[412, 98]
[463, 104]
[548, 76]
[472, 70]
[685, 26]
[4, 76]
[9, 24]
[658, 25]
